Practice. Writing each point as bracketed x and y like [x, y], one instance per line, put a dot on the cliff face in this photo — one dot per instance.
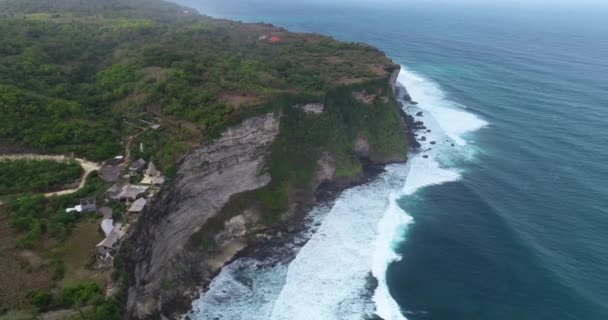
[260, 177]
[205, 181]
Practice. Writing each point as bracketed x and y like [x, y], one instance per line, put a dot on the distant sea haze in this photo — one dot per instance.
[503, 217]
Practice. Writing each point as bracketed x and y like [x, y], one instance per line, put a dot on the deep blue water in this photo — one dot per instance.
[523, 234]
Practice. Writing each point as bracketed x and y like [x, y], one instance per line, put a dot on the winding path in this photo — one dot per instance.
[86, 165]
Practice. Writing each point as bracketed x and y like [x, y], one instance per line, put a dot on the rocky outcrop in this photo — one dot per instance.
[325, 171]
[206, 179]
[312, 108]
[365, 97]
[362, 148]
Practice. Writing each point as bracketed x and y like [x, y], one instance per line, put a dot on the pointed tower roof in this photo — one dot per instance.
[152, 171]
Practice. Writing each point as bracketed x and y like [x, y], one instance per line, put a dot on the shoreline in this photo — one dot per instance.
[268, 242]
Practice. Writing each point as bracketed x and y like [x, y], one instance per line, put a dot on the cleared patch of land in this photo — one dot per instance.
[79, 256]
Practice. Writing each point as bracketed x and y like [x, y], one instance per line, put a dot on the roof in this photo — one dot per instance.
[106, 212]
[110, 173]
[155, 180]
[138, 205]
[131, 192]
[116, 234]
[152, 171]
[114, 189]
[110, 240]
[274, 39]
[107, 225]
[87, 201]
[137, 164]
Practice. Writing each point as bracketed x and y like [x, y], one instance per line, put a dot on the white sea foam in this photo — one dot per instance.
[358, 236]
[451, 116]
[448, 123]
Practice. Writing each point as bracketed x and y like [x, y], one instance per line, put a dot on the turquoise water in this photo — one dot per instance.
[513, 222]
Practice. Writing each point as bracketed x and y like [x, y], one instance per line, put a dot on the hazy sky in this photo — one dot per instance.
[487, 2]
[453, 3]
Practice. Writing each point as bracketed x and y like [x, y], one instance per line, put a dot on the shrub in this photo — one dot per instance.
[41, 299]
[80, 294]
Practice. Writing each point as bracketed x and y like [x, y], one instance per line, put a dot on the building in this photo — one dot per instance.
[110, 173]
[138, 205]
[86, 205]
[131, 192]
[113, 192]
[137, 165]
[107, 248]
[152, 171]
[152, 176]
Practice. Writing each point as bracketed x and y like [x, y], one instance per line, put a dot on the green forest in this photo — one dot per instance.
[82, 76]
[18, 176]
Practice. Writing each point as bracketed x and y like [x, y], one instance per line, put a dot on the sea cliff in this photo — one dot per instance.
[258, 179]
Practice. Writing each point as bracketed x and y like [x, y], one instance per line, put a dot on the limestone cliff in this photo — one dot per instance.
[205, 181]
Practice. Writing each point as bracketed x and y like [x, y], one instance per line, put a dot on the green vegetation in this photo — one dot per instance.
[109, 309]
[80, 75]
[35, 215]
[18, 176]
[334, 132]
[42, 299]
[79, 295]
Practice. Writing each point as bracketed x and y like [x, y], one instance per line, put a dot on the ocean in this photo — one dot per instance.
[507, 218]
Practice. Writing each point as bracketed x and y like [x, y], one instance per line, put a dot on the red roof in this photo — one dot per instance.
[274, 39]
